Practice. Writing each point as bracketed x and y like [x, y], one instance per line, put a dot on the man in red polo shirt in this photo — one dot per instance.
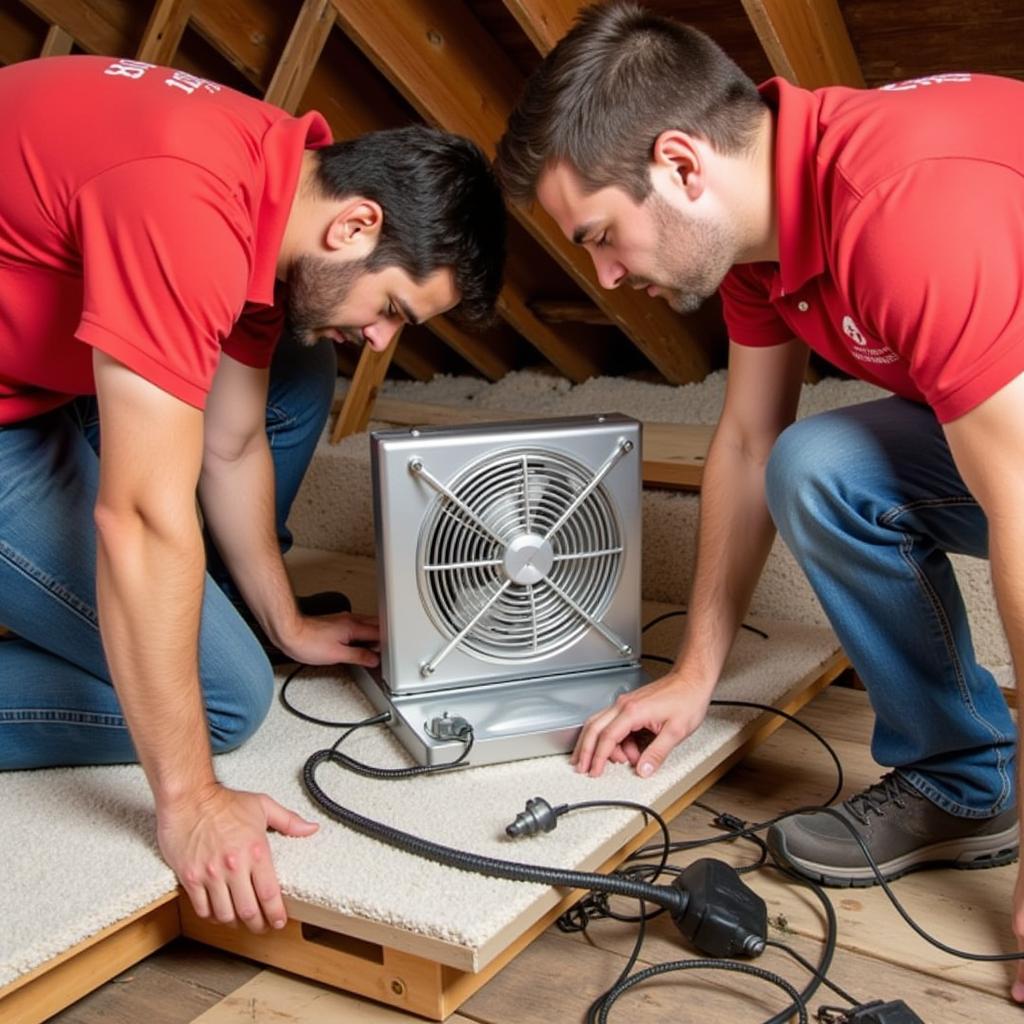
[883, 229]
[156, 230]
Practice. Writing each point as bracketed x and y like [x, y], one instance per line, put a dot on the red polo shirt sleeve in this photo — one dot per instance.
[165, 270]
[749, 315]
[934, 258]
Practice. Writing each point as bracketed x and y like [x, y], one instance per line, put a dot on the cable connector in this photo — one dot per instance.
[539, 816]
[875, 1012]
[722, 915]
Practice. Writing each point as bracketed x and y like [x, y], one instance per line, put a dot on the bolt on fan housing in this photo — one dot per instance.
[508, 580]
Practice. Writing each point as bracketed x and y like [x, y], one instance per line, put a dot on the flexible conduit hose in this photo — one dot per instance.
[672, 899]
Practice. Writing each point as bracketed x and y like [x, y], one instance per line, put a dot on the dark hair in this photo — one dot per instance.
[606, 92]
[442, 207]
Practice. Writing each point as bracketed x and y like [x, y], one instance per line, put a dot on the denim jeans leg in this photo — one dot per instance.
[870, 502]
[57, 703]
[302, 379]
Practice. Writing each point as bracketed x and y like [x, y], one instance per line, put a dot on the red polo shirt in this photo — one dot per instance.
[141, 213]
[901, 236]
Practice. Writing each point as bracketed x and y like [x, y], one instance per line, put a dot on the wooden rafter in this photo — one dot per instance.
[301, 53]
[167, 24]
[445, 64]
[355, 413]
[111, 31]
[58, 43]
[807, 43]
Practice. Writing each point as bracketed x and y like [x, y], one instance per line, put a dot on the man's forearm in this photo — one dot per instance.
[733, 540]
[237, 497]
[149, 591]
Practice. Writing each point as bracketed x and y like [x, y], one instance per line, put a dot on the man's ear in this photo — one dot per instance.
[678, 157]
[355, 227]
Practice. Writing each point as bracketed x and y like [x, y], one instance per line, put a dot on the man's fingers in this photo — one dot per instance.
[221, 905]
[612, 735]
[267, 891]
[363, 632]
[288, 823]
[656, 751]
[592, 729]
[358, 656]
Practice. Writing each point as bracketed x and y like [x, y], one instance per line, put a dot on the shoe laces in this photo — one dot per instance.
[891, 789]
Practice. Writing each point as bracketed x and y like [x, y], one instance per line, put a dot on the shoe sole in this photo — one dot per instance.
[971, 853]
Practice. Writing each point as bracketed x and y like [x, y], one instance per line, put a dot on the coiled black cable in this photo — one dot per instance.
[672, 899]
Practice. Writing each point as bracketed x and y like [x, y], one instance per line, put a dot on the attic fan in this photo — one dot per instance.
[508, 581]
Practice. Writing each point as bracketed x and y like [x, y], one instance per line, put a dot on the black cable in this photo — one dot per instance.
[710, 965]
[382, 717]
[682, 611]
[373, 772]
[672, 899]
[805, 963]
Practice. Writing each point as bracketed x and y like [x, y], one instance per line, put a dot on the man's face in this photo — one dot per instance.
[655, 245]
[343, 300]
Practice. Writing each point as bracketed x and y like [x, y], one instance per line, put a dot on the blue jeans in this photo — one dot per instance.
[870, 502]
[57, 703]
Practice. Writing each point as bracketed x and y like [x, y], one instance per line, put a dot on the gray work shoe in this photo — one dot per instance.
[903, 830]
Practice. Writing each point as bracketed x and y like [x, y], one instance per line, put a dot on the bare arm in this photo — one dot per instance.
[988, 448]
[733, 540]
[150, 575]
[236, 488]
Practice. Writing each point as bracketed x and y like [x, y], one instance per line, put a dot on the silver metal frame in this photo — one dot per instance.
[508, 563]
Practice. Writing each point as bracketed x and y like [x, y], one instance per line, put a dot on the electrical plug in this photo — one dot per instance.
[875, 1012]
[722, 915]
[539, 816]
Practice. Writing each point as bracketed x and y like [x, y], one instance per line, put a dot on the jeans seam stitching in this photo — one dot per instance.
[34, 574]
[906, 546]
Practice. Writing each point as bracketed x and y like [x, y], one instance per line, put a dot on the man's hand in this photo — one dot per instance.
[671, 708]
[217, 846]
[330, 639]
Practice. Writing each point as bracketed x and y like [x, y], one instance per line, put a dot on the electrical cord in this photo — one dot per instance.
[710, 965]
[682, 611]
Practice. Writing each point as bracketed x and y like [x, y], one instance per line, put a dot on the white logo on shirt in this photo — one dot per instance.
[851, 330]
[862, 349]
[135, 69]
[915, 83]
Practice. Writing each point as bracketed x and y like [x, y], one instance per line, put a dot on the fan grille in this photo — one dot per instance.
[490, 548]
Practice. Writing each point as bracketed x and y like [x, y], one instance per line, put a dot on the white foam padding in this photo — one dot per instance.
[334, 508]
[79, 853]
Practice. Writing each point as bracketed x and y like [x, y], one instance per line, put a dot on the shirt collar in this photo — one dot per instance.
[801, 244]
[283, 145]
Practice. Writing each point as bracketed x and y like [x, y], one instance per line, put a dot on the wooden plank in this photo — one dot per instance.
[58, 43]
[22, 34]
[410, 982]
[301, 53]
[673, 453]
[163, 33]
[41, 993]
[570, 360]
[807, 43]
[555, 311]
[358, 404]
[441, 59]
[272, 996]
[481, 352]
[97, 27]
[545, 21]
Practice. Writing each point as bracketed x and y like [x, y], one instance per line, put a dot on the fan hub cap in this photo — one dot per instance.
[528, 559]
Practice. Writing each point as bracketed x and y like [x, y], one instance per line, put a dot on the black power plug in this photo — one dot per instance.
[875, 1012]
[723, 916]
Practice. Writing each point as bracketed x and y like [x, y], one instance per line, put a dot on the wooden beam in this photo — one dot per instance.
[112, 30]
[545, 21]
[448, 67]
[478, 350]
[570, 360]
[301, 53]
[562, 312]
[58, 43]
[806, 43]
[163, 34]
[249, 34]
[358, 404]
